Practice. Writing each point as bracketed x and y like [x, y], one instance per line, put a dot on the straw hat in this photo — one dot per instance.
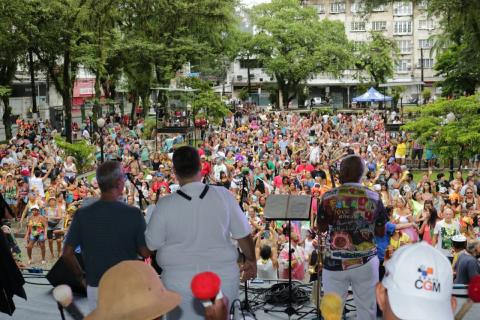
[132, 290]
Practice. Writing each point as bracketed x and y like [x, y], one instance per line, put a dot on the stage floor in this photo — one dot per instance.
[41, 305]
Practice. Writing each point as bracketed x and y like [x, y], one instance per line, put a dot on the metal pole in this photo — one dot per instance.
[421, 67]
[32, 81]
[101, 145]
[156, 127]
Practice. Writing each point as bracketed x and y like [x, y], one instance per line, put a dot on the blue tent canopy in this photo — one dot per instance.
[372, 95]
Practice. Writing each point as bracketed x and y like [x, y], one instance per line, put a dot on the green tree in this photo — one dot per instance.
[209, 105]
[101, 52]
[452, 127]
[175, 32]
[13, 46]
[457, 66]
[426, 95]
[293, 44]
[396, 92]
[243, 94]
[376, 57]
[59, 39]
[206, 103]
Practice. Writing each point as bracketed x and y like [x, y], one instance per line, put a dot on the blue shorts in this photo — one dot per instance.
[40, 237]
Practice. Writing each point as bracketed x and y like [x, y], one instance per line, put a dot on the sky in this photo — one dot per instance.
[250, 3]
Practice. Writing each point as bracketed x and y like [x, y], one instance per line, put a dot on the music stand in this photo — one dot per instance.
[288, 208]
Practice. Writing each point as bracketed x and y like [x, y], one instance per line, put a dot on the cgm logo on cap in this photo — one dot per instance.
[426, 281]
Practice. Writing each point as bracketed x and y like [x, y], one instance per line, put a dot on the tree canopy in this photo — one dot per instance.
[146, 41]
[376, 57]
[293, 44]
[13, 48]
[450, 127]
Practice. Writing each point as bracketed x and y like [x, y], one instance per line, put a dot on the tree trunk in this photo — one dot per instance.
[32, 81]
[134, 106]
[6, 117]
[145, 105]
[67, 95]
[285, 97]
[249, 83]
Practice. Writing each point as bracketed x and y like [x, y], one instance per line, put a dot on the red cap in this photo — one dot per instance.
[205, 285]
[474, 289]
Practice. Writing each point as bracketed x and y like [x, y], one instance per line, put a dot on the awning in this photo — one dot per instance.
[372, 95]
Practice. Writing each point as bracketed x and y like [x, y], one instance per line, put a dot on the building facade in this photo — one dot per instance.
[408, 24]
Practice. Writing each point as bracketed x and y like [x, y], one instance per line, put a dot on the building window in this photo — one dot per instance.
[357, 7]
[379, 8]
[320, 8]
[402, 27]
[337, 7]
[427, 63]
[426, 24]
[404, 46]
[403, 65]
[379, 25]
[425, 43]
[252, 63]
[402, 8]
[358, 26]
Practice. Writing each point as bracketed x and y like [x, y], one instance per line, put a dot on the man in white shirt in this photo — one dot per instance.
[192, 231]
[444, 232]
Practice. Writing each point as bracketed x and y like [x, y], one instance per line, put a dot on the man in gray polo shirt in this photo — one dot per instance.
[107, 231]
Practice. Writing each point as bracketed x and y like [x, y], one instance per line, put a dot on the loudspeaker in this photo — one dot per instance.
[61, 274]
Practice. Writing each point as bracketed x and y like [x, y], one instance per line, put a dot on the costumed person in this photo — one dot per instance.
[348, 214]
[192, 231]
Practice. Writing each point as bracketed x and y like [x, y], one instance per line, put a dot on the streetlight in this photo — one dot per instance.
[450, 118]
[101, 124]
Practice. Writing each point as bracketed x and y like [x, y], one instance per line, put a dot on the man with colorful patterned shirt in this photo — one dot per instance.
[348, 214]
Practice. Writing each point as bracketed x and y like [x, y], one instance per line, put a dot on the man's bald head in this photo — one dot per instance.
[351, 169]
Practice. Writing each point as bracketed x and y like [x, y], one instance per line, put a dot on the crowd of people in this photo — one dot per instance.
[254, 155]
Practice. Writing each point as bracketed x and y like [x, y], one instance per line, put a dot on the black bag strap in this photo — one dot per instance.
[189, 198]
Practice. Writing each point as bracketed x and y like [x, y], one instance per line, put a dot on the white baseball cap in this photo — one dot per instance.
[419, 282]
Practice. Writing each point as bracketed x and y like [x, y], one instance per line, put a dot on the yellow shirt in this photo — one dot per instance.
[404, 239]
[401, 149]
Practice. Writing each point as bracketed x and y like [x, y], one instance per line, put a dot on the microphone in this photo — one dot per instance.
[64, 297]
[206, 287]
[473, 296]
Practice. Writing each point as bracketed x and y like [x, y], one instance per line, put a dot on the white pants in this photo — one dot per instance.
[179, 281]
[363, 280]
[92, 297]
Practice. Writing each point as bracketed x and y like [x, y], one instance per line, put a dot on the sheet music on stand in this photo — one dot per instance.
[288, 207]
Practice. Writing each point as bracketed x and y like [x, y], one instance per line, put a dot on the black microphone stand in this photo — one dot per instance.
[245, 305]
[62, 313]
[141, 197]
